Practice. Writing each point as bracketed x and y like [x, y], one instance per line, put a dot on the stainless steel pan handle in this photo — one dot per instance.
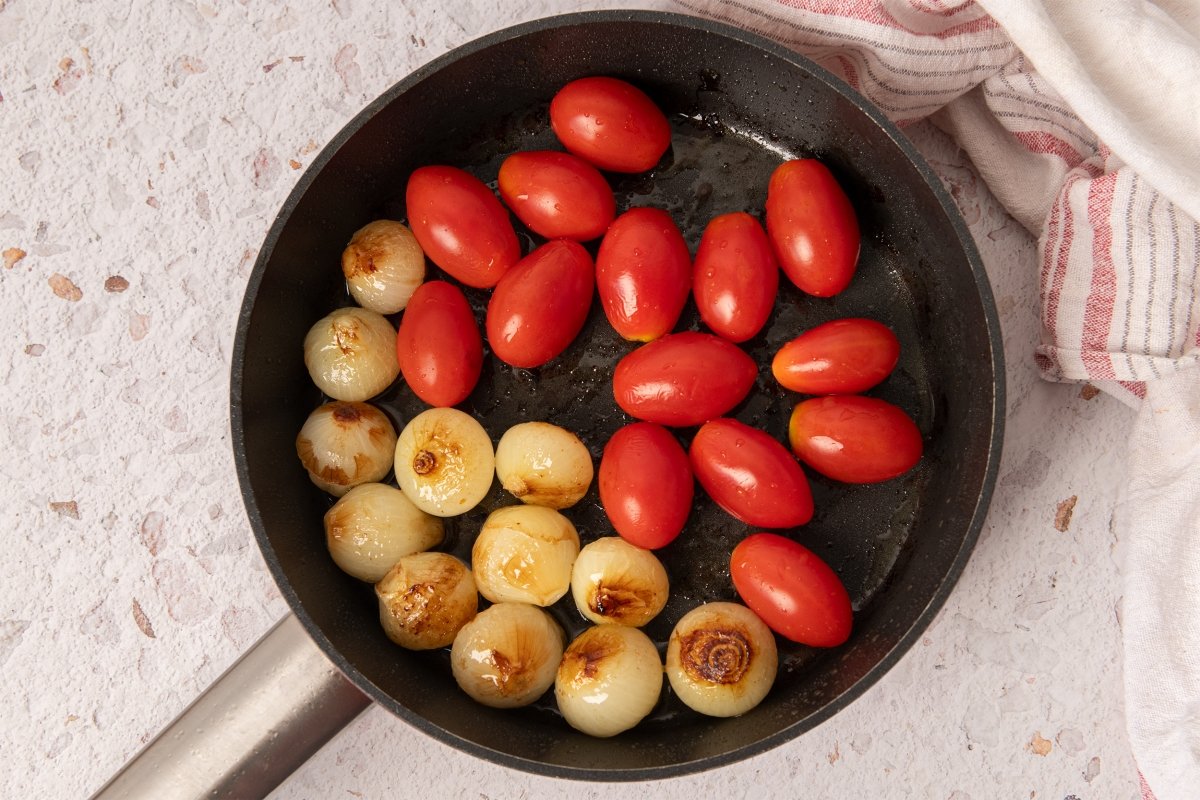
[270, 711]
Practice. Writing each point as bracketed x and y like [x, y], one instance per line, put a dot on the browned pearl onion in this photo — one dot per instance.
[344, 444]
[351, 354]
[373, 526]
[383, 265]
[425, 600]
[543, 465]
[508, 655]
[524, 554]
[614, 581]
[721, 659]
[609, 680]
[444, 461]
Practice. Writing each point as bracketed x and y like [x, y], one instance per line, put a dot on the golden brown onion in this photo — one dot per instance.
[344, 444]
[523, 554]
[614, 581]
[721, 659]
[609, 680]
[383, 265]
[351, 354]
[444, 461]
[373, 526]
[425, 600]
[508, 655]
[543, 465]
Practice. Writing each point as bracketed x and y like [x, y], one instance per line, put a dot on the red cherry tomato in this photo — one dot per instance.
[796, 593]
[646, 485]
[461, 225]
[643, 273]
[735, 277]
[750, 475]
[557, 195]
[845, 356]
[812, 227]
[438, 344]
[683, 379]
[854, 439]
[610, 123]
[540, 305]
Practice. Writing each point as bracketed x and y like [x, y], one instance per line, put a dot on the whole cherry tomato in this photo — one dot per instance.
[643, 273]
[540, 305]
[854, 439]
[438, 344]
[735, 276]
[557, 194]
[646, 485]
[683, 379]
[797, 594]
[461, 225]
[750, 475]
[610, 123]
[844, 356]
[812, 227]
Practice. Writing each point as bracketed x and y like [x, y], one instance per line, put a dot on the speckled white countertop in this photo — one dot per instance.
[146, 149]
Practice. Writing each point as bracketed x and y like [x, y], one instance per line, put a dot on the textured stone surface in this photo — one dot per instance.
[147, 147]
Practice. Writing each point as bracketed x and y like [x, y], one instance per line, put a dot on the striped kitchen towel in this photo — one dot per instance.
[1082, 116]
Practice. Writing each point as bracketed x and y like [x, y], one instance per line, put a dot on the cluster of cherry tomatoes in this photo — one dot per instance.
[643, 274]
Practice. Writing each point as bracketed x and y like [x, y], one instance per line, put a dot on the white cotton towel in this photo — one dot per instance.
[1158, 517]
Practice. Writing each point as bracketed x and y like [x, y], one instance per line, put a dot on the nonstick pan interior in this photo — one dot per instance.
[739, 105]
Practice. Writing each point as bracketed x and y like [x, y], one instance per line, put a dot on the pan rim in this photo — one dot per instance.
[851, 693]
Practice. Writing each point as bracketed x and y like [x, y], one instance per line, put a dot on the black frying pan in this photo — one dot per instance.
[739, 105]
